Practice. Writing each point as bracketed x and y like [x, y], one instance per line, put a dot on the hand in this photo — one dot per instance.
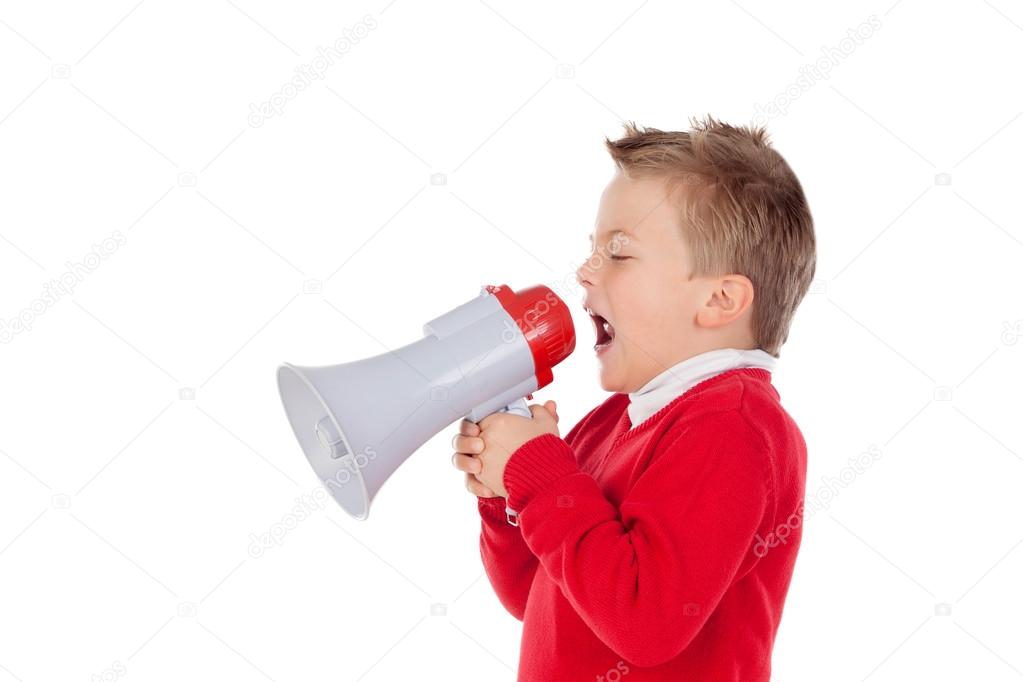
[503, 433]
[467, 446]
[477, 448]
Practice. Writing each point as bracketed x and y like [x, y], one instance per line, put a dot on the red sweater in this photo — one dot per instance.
[662, 552]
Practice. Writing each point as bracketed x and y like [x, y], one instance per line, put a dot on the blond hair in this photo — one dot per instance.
[742, 210]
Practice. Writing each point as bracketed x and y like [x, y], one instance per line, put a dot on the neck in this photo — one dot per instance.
[745, 344]
[680, 377]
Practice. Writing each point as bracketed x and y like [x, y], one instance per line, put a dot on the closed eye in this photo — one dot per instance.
[620, 257]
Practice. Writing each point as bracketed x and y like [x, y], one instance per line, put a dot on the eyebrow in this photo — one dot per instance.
[616, 233]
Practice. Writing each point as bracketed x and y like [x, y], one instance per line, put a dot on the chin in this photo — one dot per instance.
[614, 376]
[610, 382]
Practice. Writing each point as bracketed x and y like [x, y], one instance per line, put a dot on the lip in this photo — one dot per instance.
[592, 310]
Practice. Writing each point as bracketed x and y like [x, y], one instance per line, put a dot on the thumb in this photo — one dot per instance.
[552, 407]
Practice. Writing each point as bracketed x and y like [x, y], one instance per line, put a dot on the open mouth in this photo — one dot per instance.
[605, 332]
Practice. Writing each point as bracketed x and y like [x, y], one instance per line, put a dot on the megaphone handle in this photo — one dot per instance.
[521, 408]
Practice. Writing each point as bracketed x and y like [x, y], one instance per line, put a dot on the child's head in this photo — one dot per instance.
[703, 240]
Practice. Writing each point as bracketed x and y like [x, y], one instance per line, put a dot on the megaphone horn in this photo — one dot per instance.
[357, 422]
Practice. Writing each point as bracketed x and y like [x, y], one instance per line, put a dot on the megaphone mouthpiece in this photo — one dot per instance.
[545, 321]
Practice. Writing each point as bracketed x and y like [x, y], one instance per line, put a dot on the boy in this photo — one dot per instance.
[657, 540]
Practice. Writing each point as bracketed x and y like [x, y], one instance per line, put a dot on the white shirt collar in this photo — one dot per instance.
[679, 378]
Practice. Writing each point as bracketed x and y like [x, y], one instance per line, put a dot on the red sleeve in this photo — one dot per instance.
[646, 576]
[508, 561]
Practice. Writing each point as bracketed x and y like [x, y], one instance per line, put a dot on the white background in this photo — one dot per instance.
[142, 441]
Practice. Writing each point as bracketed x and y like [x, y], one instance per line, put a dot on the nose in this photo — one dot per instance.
[586, 272]
[583, 273]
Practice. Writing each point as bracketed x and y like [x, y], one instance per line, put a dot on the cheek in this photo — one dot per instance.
[652, 326]
[646, 301]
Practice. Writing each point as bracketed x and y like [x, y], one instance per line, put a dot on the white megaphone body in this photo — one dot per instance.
[357, 422]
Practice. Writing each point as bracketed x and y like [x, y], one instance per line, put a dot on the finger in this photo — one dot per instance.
[469, 428]
[552, 407]
[542, 412]
[473, 485]
[467, 463]
[468, 444]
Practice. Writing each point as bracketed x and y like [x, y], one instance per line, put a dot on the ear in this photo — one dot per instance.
[729, 298]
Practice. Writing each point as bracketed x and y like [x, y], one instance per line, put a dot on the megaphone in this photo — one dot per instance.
[357, 422]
